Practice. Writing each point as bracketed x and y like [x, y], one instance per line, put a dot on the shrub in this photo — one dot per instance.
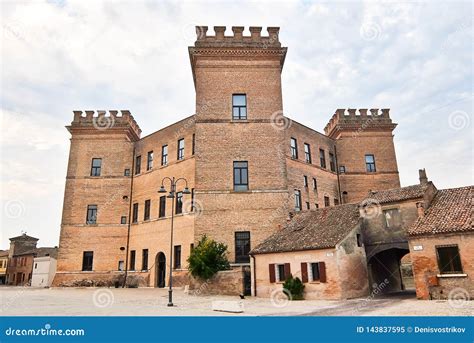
[295, 287]
[207, 258]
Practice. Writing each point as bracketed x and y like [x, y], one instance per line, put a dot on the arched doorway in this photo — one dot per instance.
[385, 271]
[160, 270]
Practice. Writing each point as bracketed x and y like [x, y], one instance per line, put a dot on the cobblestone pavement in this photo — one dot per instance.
[152, 302]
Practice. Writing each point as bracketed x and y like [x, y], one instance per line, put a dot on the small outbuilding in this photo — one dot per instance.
[322, 247]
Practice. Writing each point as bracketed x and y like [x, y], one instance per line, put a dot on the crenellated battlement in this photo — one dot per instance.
[106, 121]
[357, 120]
[237, 39]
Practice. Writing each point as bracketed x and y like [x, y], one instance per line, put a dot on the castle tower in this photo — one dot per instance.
[365, 151]
[240, 165]
[98, 183]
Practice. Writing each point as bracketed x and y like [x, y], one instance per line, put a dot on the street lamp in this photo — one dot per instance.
[172, 195]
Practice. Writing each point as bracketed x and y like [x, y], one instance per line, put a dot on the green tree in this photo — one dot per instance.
[207, 258]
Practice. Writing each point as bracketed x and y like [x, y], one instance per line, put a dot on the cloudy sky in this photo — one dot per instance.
[60, 56]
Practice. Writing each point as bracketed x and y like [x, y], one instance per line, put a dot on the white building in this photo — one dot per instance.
[44, 269]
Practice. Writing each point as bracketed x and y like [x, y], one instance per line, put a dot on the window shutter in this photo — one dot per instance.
[304, 272]
[271, 269]
[322, 272]
[287, 271]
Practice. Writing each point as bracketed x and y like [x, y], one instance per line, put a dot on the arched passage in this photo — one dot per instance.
[160, 270]
[385, 272]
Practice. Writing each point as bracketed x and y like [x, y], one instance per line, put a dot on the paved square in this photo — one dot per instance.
[25, 301]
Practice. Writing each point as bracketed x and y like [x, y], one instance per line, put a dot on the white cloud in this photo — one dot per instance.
[58, 57]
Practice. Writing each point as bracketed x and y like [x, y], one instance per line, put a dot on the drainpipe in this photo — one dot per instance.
[337, 173]
[132, 171]
[254, 276]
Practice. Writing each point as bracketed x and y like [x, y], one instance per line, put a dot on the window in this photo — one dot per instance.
[126, 172]
[135, 213]
[191, 247]
[241, 178]
[314, 272]
[297, 200]
[239, 107]
[179, 203]
[177, 256]
[359, 239]
[449, 261]
[96, 166]
[132, 259]
[294, 148]
[392, 218]
[180, 149]
[146, 213]
[91, 214]
[336, 201]
[326, 202]
[307, 153]
[145, 259]
[194, 143]
[322, 158]
[123, 220]
[305, 180]
[192, 200]
[332, 162]
[315, 184]
[120, 266]
[162, 211]
[307, 205]
[87, 260]
[164, 155]
[149, 161]
[138, 165]
[281, 272]
[342, 169]
[242, 247]
[370, 163]
[316, 205]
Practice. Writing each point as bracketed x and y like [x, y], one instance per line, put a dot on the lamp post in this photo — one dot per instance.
[172, 195]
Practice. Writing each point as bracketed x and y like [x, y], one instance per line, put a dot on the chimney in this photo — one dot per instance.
[420, 209]
[423, 177]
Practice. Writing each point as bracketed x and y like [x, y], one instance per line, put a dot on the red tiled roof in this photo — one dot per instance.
[397, 194]
[316, 229]
[450, 211]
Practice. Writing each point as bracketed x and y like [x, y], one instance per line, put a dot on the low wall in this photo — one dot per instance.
[225, 282]
[96, 279]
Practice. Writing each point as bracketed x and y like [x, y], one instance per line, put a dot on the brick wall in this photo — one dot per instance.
[425, 265]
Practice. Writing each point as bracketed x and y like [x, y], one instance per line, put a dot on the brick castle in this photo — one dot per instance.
[247, 166]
